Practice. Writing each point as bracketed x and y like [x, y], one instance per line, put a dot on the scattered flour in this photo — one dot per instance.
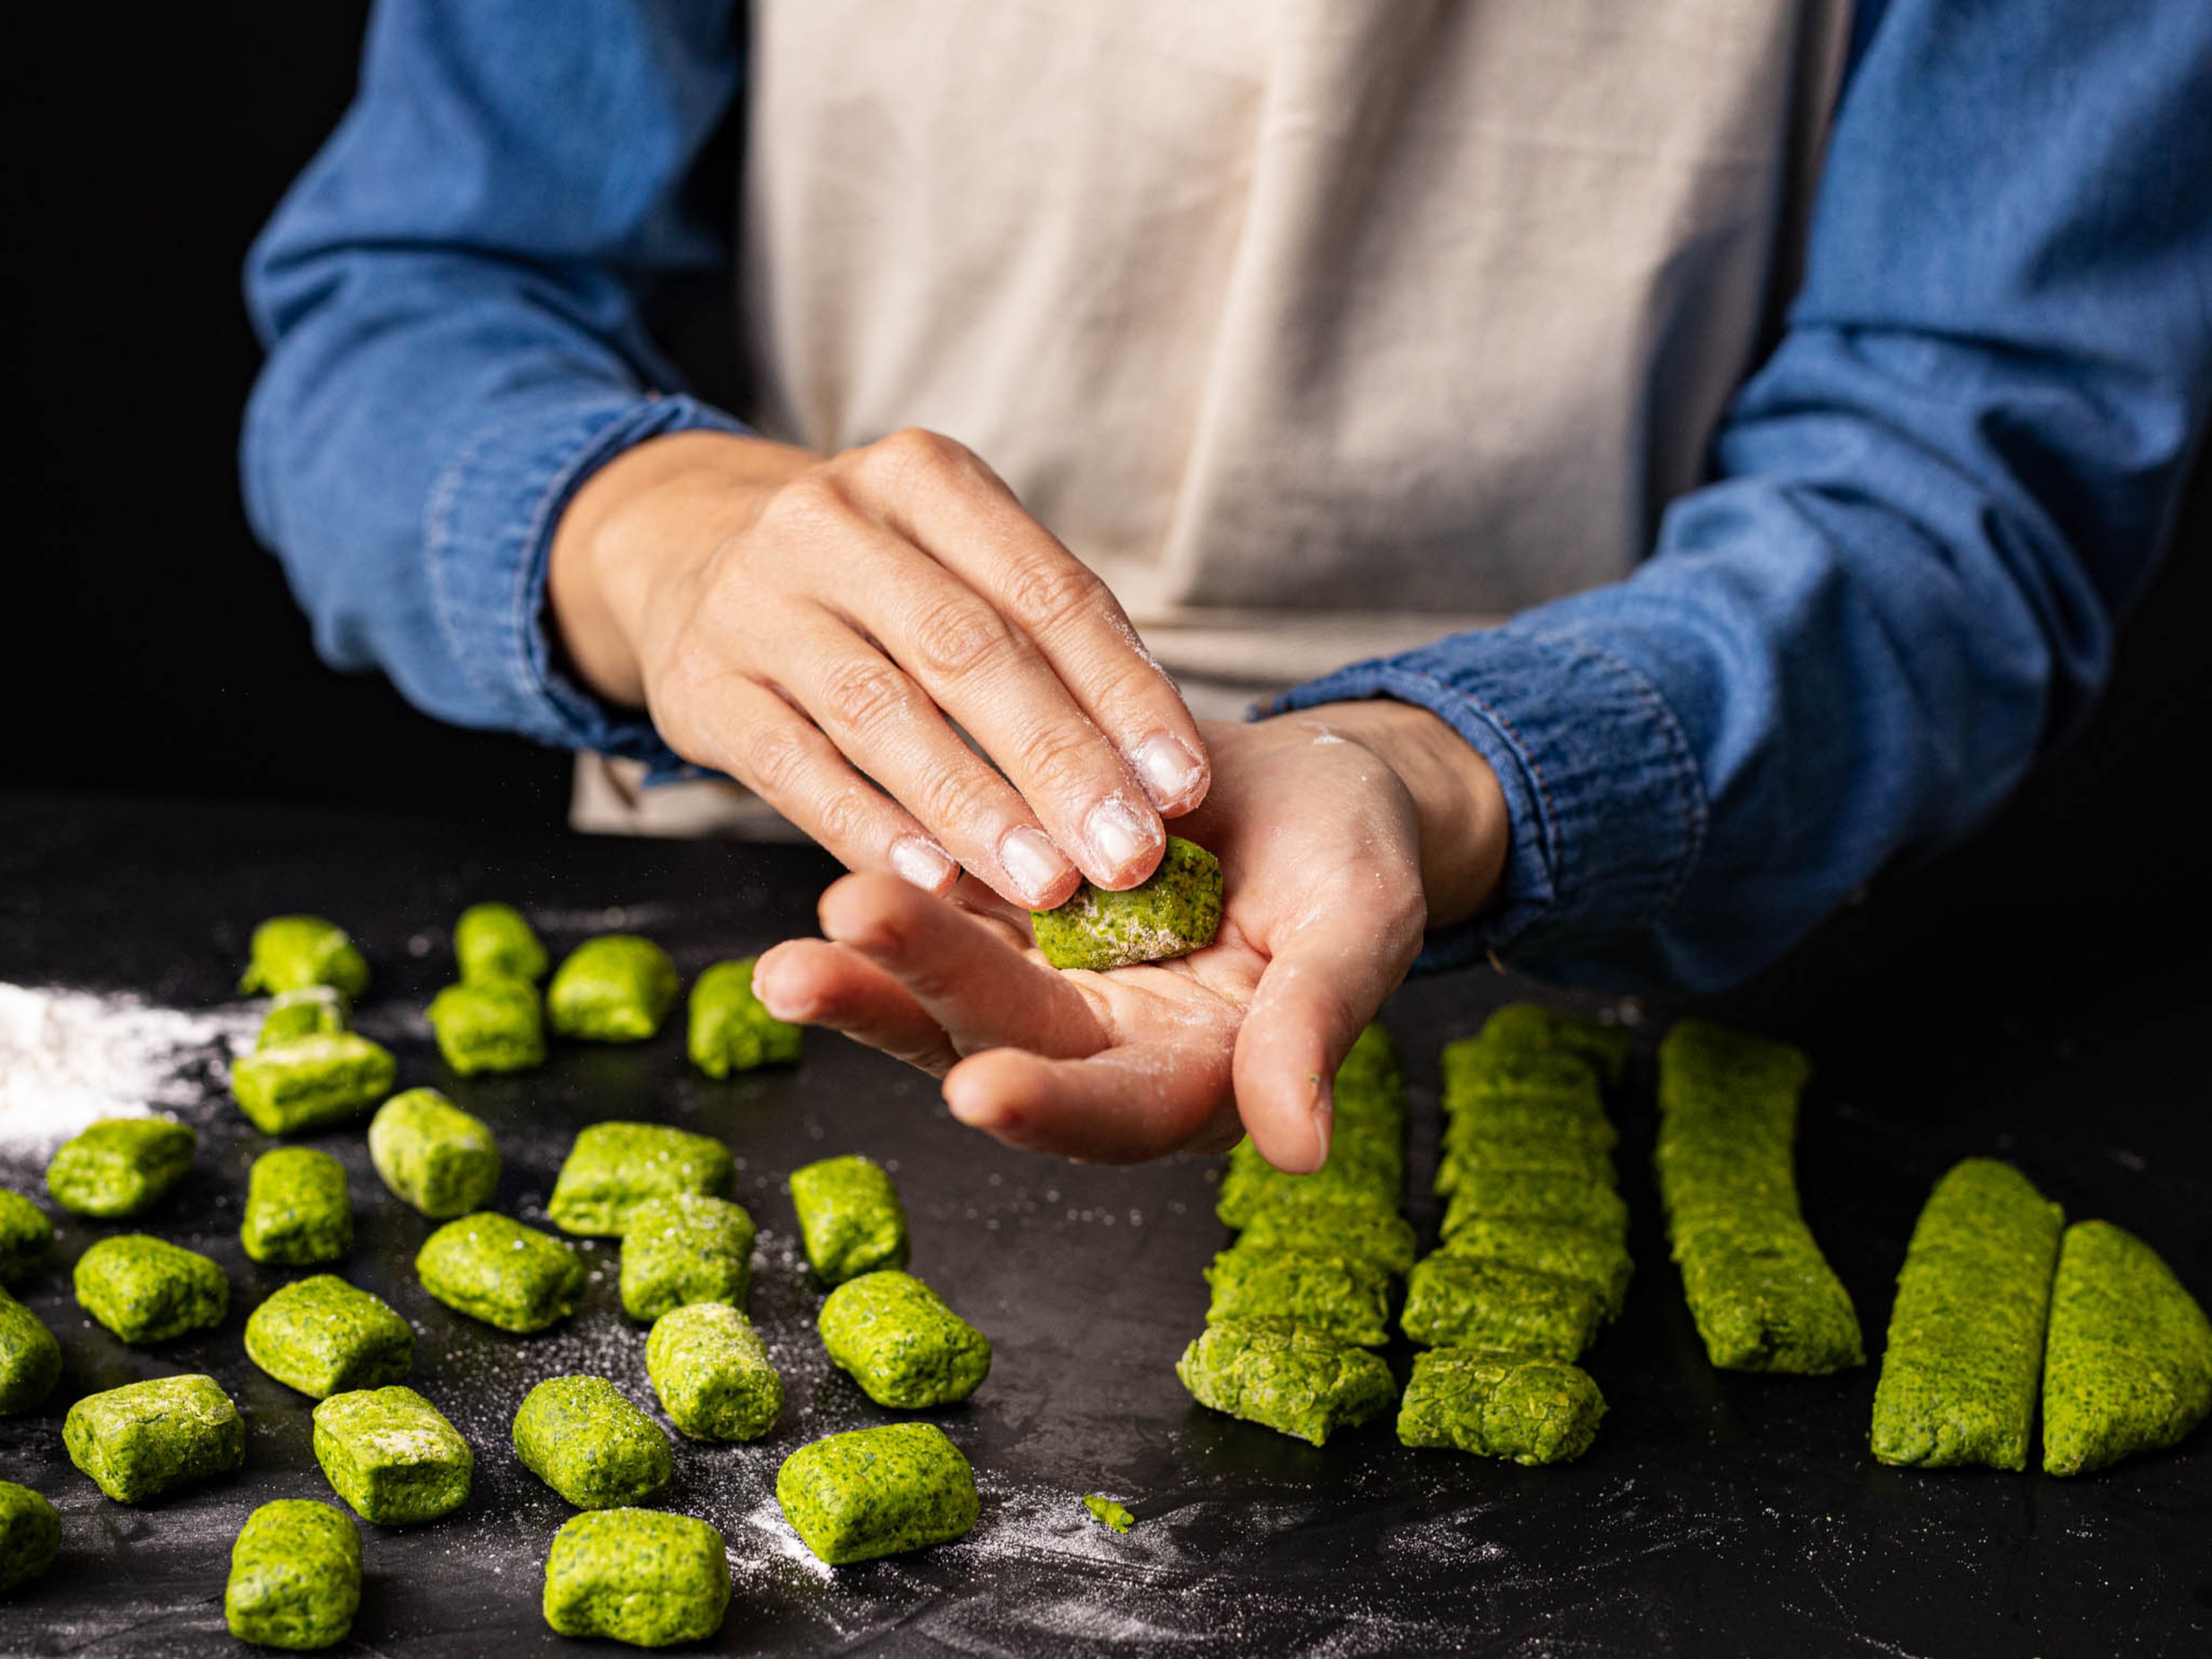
[67, 1057]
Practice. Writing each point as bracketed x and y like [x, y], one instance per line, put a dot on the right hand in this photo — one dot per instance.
[808, 625]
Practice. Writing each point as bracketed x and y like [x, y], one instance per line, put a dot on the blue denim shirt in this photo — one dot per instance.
[1926, 509]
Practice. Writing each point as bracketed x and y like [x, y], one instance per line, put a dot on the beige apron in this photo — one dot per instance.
[1318, 328]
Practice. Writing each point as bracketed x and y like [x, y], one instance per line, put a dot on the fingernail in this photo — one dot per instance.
[1120, 835]
[922, 863]
[783, 1007]
[1031, 862]
[1170, 771]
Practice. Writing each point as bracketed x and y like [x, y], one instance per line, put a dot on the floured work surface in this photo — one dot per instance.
[1715, 1511]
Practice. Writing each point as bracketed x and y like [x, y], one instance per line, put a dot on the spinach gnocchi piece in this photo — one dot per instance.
[148, 1289]
[1494, 1405]
[1298, 1381]
[311, 1082]
[30, 1535]
[493, 941]
[392, 1456]
[637, 1576]
[290, 953]
[295, 1576]
[433, 1155]
[729, 1030]
[614, 1168]
[298, 1214]
[493, 1268]
[119, 1166]
[583, 1437]
[1172, 912]
[685, 1248]
[896, 1337]
[849, 1217]
[30, 1358]
[324, 1336]
[144, 1439]
[26, 1235]
[713, 1374]
[616, 988]
[490, 1026]
[313, 1010]
[877, 1491]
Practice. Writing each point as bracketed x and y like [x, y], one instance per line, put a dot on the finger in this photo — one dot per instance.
[973, 524]
[892, 730]
[960, 969]
[1121, 1106]
[749, 732]
[985, 672]
[808, 981]
[1316, 994]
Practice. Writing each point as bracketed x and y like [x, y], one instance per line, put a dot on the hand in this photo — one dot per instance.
[808, 626]
[1343, 832]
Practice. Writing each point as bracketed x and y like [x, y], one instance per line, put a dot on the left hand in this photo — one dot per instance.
[1343, 832]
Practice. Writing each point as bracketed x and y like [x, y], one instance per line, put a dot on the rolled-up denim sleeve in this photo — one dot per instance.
[449, 297]
[1929, 507]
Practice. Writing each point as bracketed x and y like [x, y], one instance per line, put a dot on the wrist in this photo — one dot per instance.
[1465, 829]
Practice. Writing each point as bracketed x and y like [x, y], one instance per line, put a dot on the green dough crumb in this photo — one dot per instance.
[1330, 1226]
[493, 941]
[297, 1211]
[147, 1290]
[582, 1437]
[1107, 1513]
[2128, 1363]
[311, 1082]
[30, 1535]
[683, 1249]
[295, 1576]
[493, 1269]
[1493, 1405]
[290, 953]
[433, 1155]
[143, 1439]
[637, 1576]
[1174, 911]
[30, 1357]
[896, 1337]
[391, 1455]
[877, 1491]
[313, 1011]
[1763, 1296]
[324, 1336]
[849, 1217]
[1958, 1376]
[490, 1026]
[1579, 1253]
[1341, 1296]
[1298, 1383]
[730, 1030]
[713, 1374]
[616, 988]
[26, 1235]
[1457, 1302]
[119, 1166]
[613, 1168]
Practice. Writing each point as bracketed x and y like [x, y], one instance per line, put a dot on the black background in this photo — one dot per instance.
[152, 647]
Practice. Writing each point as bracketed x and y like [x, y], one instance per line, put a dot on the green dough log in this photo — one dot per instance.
[730, 1030]
[119, 1166]
[1763, 1296]
[896, 1337]
[297, 1211]
[1965, 1334]
[311, 1083]
[1572, 1200]
[1531, 1028]
[30, 1358]
[1341, 1296]
[30, 1535]
[143, 1439]
[616, 988]
[148, 1289]
[26, 1235]
[615, 1167]
[391, 1455]
[1588, 1257]
[713, 1374]
[295, 1576]
[490, 1026]
[324, 1336]
[1174, 911]
[849, 1217]
[1107, 1513]
[582, 1437]
[290, 953]
[1298, 1383]
[1454, 1300]
[2127, 1367]
[683, 1249]
[877, 1491]
[433, 1155]
[492, 941]
[493, 1269]
[637, 1576]
[1330, 1226]
[1494, 1405]
[314, 1011]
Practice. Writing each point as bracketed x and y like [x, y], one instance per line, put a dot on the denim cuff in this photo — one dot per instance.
[1605, 801]
[486, 537]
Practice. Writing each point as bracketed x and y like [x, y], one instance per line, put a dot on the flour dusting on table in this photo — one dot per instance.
[67, 1057]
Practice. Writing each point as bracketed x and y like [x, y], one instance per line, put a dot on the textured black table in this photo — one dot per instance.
[1716, 1513]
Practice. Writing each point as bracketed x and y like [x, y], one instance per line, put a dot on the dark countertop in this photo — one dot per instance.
[1716, 1513]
